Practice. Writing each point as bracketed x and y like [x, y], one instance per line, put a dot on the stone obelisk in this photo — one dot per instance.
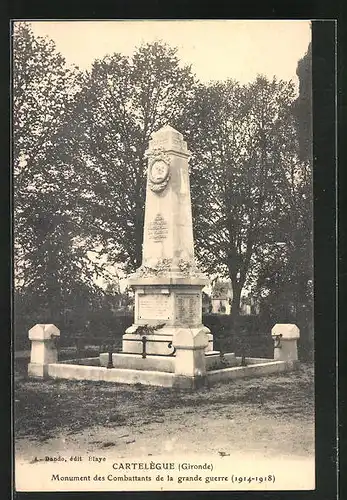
[168, 285]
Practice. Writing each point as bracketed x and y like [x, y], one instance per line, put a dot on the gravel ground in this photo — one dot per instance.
[272, 415]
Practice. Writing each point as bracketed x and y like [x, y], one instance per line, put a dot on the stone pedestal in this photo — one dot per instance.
[190, 365]
[168, 285]
[285, 337]
[43, 349]
[168, 308]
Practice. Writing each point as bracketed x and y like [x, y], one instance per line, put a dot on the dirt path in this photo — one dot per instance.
[221, 429]
[255, 424]
[230, 439]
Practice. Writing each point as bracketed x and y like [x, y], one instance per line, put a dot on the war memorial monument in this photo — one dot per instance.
[167, 344]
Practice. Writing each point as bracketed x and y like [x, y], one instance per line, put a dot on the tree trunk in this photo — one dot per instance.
[235, 304]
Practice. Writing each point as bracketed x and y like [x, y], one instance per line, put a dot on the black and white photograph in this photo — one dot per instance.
[163, 292]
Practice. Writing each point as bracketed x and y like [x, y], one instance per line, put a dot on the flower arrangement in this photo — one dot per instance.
[148, 329]
[188, 268]
[161, 266]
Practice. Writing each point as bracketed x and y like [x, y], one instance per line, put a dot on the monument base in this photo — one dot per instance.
[213, 361]
[157, 343]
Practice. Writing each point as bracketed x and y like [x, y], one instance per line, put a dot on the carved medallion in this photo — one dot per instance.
[159, 170]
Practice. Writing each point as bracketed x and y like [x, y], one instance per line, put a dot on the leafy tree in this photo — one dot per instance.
[302, 107]
[124, 99]
[285, 282]
[245, 150]
[51, 267]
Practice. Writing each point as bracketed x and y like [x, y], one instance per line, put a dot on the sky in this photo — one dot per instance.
[216, 49]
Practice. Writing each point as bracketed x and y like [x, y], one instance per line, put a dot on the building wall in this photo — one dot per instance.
[221, 306]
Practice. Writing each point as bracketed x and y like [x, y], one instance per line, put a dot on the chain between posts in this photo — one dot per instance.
[277, 341]
[144, 342]
[108, 344]
[104, 343]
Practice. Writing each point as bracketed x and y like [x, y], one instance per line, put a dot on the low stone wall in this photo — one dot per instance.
[252, 370]
[162, 379]
[115, 375]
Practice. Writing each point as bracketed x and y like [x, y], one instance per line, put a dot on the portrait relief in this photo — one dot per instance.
[159, 172]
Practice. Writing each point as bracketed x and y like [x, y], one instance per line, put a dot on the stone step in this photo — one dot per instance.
[136, 362]
[166, 364]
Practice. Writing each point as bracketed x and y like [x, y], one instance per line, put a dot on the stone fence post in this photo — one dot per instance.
[285, 336]
[190, 361]
[43, 349]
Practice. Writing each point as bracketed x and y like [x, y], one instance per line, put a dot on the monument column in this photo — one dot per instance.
[168, 284]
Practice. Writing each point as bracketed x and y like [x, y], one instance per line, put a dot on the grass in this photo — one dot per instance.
[45, 407]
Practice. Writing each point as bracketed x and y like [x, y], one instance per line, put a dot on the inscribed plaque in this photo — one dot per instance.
[158, 229]
[187, 308]
[154, 307]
